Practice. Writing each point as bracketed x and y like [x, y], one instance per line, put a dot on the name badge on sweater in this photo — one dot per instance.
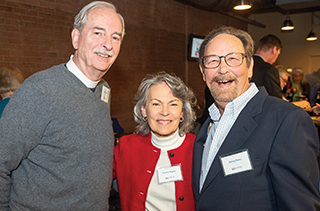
[169, 174]
[236, 163]
[105, 94]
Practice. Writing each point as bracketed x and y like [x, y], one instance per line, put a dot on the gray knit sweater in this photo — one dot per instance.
[56, 145]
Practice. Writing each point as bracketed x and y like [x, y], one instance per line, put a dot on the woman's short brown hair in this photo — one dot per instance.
[10, 79]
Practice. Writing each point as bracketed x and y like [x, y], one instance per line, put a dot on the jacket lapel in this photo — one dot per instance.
[237, 136]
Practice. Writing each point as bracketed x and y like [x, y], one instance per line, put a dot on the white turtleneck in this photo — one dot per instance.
[162, 196]
[72, 67]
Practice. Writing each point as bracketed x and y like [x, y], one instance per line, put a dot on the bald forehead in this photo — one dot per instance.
[103, 12]
[104, 18]
[226, 43]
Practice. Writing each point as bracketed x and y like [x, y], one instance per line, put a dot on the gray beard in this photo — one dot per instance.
[224, 95]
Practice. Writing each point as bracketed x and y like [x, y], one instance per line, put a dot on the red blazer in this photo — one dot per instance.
[135, 159]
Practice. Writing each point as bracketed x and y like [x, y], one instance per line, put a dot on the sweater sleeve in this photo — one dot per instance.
[21, 127]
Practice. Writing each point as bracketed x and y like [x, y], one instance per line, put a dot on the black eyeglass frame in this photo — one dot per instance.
[242, 54]
[286, 81]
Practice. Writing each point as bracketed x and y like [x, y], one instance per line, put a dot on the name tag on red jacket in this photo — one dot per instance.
[170, 174]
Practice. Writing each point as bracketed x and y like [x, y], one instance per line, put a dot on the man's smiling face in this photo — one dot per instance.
[226, 83]
[98, 44]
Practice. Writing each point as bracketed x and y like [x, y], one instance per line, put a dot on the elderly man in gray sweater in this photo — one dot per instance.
[56, 134]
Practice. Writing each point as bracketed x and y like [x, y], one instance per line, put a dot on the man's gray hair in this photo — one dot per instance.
[179, 90]
[81, 18]
[282, 70]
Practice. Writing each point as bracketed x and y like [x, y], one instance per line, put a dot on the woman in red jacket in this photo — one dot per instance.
[153, 167]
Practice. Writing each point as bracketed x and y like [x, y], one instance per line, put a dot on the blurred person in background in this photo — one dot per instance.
[314, 81]
[153, 166]
[284, 77]
[297, 87]
[264, 73]
[10, 80]
[304, 104]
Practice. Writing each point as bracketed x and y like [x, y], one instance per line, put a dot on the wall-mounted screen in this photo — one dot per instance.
[194, 46]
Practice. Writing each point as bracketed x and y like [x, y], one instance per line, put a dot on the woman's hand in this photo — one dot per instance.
[288, 90]
[316, 109]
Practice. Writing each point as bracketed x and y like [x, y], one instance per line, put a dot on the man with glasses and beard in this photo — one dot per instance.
[254, 152]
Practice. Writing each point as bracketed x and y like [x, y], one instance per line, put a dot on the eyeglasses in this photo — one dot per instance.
[234, 59]
[284, 80]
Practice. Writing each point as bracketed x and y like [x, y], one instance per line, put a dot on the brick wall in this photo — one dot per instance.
[35, 34]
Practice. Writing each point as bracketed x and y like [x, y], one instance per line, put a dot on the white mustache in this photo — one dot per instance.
[103, 51]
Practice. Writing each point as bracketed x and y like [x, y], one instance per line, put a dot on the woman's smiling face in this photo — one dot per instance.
[163, 110]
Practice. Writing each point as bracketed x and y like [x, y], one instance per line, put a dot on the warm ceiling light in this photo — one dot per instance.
[312, 36]
[242, 5]
[287, 24]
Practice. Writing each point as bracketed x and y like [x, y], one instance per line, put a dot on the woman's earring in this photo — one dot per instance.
[144, 118]
[181, 119]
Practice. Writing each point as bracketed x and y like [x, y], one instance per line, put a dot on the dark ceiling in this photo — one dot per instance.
[258, 7]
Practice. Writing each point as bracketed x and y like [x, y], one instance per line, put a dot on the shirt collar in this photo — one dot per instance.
[259, 56]
[234, 107]
[72, 67]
